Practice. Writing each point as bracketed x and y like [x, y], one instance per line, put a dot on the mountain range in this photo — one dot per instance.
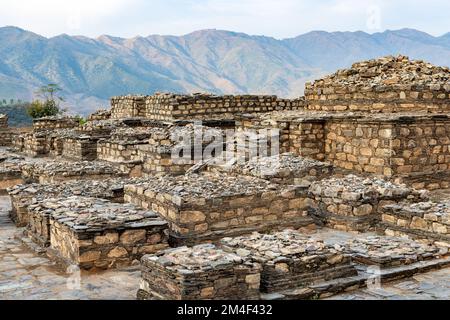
[92, 70]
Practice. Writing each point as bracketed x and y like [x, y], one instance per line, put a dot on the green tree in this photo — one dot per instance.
[50, 106]
[50, 92]
[39, 109]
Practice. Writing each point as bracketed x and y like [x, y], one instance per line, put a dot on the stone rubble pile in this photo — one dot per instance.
[290, 259]
[389, 71]
[389, 84]
[201, 272]
[101, 114]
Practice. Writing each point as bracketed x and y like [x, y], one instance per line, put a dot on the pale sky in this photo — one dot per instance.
[276, 18]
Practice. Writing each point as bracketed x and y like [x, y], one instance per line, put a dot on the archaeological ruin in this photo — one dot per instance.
[245, 197]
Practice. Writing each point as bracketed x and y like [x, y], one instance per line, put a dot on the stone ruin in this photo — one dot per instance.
[151, 180]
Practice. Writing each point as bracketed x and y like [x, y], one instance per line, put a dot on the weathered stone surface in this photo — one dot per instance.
[201, 272]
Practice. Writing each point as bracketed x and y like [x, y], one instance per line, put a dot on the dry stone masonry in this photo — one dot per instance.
[209, 206]
[96, 233]
[356, 154]
[282, 169]
[291, 260]
[59, 171]
[203, 272]
[353, 203]
[23, 195]
[390, 84]
[424, 220]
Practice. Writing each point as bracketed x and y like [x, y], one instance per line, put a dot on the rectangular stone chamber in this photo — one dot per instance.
[291, 260]
[353, 203]
[175, 149]
[98, 234]
[206, 207]
[203, 272]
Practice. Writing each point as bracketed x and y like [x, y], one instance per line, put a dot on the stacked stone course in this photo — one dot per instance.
[95, 233]
[390, 84]
[282, 169]
[201, 207]
[23, 195]
[353, 203]
[291, 260]
[186, 274]
[425, 220]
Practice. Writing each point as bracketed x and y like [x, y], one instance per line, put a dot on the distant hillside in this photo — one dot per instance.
[17, 114]
[92, 70]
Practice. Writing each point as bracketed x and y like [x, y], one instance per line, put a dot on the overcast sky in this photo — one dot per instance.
[276, 18]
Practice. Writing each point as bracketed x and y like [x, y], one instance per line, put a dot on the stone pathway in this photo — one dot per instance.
[428, 286]
[25, 274]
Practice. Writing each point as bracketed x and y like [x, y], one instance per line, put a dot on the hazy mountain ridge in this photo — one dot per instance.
[92, 70]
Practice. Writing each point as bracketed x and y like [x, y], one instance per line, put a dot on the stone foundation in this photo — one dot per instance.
[57, 122]
[24, 195]
[291, 260]
[59, 171]
[82, 148]
[94, 233]
[207, 207]
[186, 274]
[353, 203]
[425, 220]
[282, 169]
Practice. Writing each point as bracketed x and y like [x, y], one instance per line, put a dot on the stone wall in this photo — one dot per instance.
[302, 136]
[207, 207]
[386, 85]
[360, 145]
[127, 106]
[353, 203]
[282, 169]
[59, 171]
[3, 121]
[169, 107]
[50, 123]
[23, 195]
[425, 220]
[90, 238]
[291, 260]
[101, 114]
[80, 148]
[186, 274]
